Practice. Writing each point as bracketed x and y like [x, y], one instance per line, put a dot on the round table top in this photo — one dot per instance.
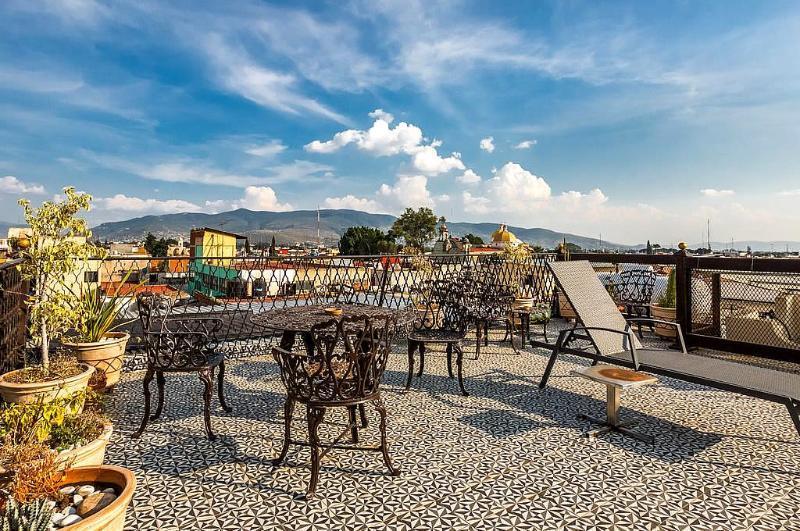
[302, 318]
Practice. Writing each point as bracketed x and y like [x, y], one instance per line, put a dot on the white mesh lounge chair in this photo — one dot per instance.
[612, 341]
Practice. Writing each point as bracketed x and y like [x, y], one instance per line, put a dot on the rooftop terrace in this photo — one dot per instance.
[510, 456]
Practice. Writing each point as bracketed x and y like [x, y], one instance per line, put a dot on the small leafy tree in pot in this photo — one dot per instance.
[667, 299]
[58, 249]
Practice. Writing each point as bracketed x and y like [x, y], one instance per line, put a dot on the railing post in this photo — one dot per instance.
[683, 289]
[716, 298]
[384, 280]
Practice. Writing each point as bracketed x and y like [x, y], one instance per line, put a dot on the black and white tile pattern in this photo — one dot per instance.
[507, 457]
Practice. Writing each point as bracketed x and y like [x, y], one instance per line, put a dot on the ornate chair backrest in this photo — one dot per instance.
[349, 358]
[176, 343]
[442, 305]
[635, 286]
[490, 300]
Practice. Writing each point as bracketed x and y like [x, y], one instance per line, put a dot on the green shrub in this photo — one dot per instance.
[667, 299]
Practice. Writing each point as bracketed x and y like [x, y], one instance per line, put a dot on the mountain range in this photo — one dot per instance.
[301, 225]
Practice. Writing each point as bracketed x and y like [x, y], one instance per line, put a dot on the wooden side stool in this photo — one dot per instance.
[615, 380]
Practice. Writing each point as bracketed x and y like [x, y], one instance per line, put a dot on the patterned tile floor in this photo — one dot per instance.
[507, 457]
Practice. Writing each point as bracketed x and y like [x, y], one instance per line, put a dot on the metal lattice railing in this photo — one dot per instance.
[749, 307]
[13, 315]
[240, 287]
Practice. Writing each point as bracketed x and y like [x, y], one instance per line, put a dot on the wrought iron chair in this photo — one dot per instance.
[634, 291]
[344, 369]
[179, 345]
[443, 318]
[489, 303]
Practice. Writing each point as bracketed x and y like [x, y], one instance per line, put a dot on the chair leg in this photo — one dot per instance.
[450, 360]
[412, 346]
[460, 366]
[208, 391]
[288, 409]
[351, 417]
[363, 414]
[315, 415]
[478, 339]
[221, 388]
[550, 363]
[421, 359]
[794, 412]
[378, 403]
[148, 377]
[486, 333]
[160, 387]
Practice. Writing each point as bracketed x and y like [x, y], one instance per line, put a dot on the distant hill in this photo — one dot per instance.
[301, 225]
[778, 246]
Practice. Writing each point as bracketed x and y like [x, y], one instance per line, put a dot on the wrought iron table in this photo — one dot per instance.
[300, 319]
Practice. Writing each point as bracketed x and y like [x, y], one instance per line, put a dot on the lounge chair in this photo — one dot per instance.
[612, 341]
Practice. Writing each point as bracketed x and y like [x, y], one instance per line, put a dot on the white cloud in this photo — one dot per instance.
[270, 149]
[262, 198]
[353, 203]
[380, 140]
[124, 203]
[575, 200]
[380, 114]
[408, 191]
[428, 161]
[711, 192]
[255, 198]
[514, 188]
[526, 144]
[475, 204]
[487, 144]
[469, 177]
[11, 185]
[239, 73]
[787, 193]
[197, 171]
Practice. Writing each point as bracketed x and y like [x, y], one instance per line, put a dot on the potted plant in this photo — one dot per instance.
[39, 478]
[95, 340]
[664, 309]
[75, 439]
[93, 498]
[55, 256]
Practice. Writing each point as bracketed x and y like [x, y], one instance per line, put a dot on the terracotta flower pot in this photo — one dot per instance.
[112, 517]
[665, 314]
[21, 393]
[92, 454]
[106, 356]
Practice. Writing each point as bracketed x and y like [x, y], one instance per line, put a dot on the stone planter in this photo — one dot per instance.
[665, 314]
[92, 454]
[21, 393]
[106, 356]
[112, 517]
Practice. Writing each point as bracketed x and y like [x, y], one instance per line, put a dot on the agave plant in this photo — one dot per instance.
[31, 516]
[98, 313]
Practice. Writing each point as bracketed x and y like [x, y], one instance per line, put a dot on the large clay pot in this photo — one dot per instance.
[106, 356]
[22, 393]
[92, 454]
[111, 518]
[665, 314]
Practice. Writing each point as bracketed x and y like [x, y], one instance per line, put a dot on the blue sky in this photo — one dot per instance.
[635, 119]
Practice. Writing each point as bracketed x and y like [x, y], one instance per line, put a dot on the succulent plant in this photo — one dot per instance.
[32, 516]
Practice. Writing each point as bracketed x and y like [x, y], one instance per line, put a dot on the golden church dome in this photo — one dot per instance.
[503, 235]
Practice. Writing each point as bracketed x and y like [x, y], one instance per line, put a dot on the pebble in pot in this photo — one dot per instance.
[94, 503]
